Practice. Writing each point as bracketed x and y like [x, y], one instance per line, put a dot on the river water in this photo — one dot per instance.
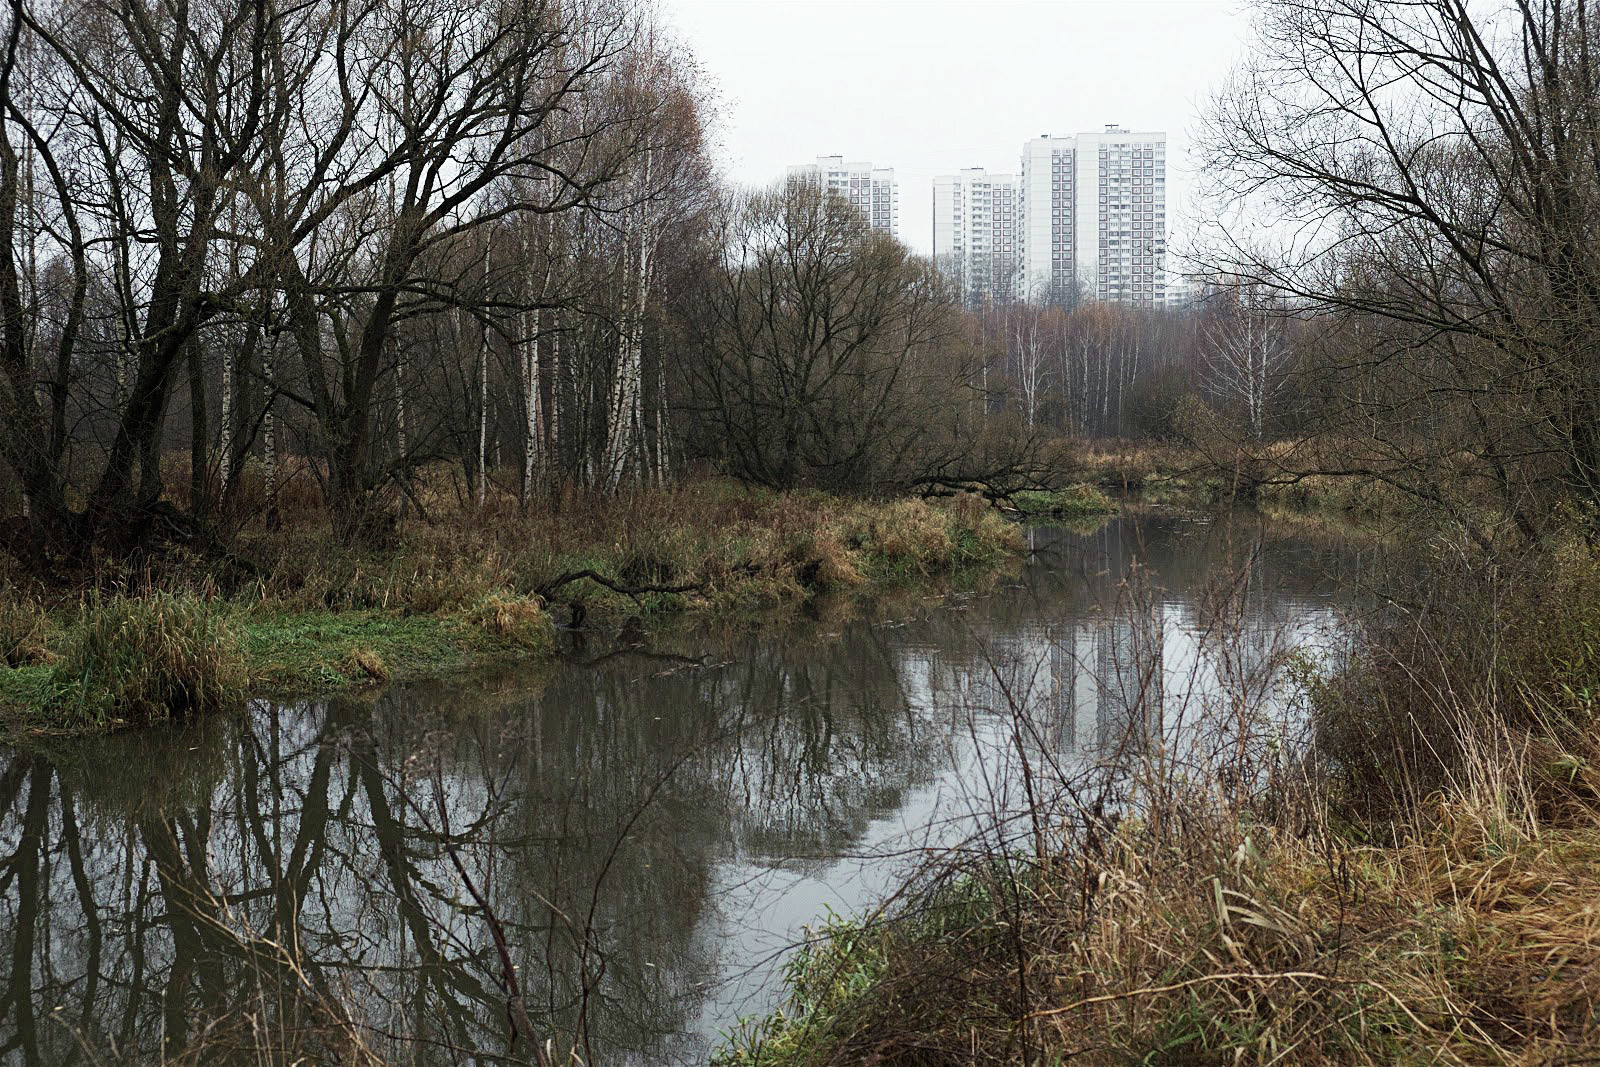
[649, 827]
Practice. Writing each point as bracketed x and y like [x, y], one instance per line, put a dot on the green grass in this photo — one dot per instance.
[1071, 502]
[838, 965]
[322, 650]
[24, 693]
[136, 660]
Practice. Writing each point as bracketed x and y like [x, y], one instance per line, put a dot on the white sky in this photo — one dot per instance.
[929, 87]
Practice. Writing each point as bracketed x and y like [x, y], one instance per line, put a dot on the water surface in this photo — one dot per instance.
[649, 827]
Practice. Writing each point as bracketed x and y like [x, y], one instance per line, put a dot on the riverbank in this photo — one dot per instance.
[298, 611]
[1416, 882]
[1170, 475]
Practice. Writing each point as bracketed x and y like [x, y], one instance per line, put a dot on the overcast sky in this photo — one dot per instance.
[931, 87]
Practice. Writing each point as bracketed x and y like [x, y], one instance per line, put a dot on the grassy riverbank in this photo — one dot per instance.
[1073, 503]
[1417, 884]
[297, 610]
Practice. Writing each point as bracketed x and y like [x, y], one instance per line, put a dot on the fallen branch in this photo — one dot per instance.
[634, 591]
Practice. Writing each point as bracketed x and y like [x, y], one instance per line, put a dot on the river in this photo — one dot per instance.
[648, 826]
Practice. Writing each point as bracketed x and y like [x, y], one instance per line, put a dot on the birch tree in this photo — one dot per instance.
[1246, 355]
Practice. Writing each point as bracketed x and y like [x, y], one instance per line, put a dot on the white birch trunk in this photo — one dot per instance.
[622, 434]
[483, 399]
[530, 404]
[661, 425]
[555, 385]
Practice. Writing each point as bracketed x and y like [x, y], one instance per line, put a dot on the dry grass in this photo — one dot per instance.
[1359, 497]
[147, 658]
[1126, 466]
[1233, 905]
[370, 663]
[458, 585]
[519, 619]
[735, 547]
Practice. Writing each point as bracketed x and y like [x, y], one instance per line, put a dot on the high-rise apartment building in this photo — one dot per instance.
[871, 190]
[1094, 210]
[1049, 247]
[977, 233]
[1120, 217]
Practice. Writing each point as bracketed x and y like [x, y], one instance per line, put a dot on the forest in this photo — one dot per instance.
[340, 250]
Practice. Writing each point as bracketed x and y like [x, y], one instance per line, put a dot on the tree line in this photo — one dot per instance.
[326, 227]
[377, 235]
[367, 238]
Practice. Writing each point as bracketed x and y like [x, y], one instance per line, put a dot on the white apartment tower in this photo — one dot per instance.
[871, 190]
[977, 233]
[1049, 249]
[1120, 220]
[1095, 217]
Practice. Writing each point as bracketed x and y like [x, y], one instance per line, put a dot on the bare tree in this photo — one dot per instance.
[820, 346]
[1424, 175]
[1246, 354]
[141, 118]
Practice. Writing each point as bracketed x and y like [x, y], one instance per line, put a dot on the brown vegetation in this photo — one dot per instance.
[302, 608]
[1415, 885]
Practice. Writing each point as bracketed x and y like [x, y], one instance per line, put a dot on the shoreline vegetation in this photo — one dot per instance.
[314, 382]
[163, 638]
[1401, 868]
[301, 611]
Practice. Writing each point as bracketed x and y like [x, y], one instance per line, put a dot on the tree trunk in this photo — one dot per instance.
[483, 398]
[225, 428]
[199, 436]
[269, 437]
[532, 428]
[623, 411]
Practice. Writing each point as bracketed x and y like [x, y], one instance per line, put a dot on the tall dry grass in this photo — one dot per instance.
[148, 658]
[451, 584]
[727, 544]
[1228, 884]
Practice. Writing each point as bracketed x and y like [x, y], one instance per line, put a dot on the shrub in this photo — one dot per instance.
[1486, 646]
[150, 658]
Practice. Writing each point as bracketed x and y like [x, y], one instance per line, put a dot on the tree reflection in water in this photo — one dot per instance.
[289, 878]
